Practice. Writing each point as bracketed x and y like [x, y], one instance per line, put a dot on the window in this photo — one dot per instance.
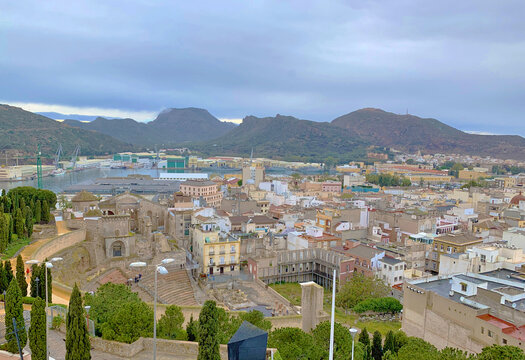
[490, 333]
[232, 249]
[117, 249]
[463, 286]
[232, 259]
[504, 341]
[221, 261]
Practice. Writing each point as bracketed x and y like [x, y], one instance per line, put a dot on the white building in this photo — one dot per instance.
[482, 259]
[391, 270]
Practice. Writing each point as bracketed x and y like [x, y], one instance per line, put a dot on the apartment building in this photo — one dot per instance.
[391, 270]
[216, 251]
[466, 311]
[207, 190]
[449, 244]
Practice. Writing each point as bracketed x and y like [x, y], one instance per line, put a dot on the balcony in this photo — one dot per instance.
[222, 252]
[211, 253]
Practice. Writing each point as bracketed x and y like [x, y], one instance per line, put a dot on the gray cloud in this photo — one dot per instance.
[460, 62]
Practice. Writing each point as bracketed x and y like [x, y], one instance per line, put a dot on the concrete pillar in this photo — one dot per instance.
[311, 304]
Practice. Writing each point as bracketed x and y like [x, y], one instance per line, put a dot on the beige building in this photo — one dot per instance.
[252, 175]
[466, 311]
[216, 252]
[449, 244]
[207, 190]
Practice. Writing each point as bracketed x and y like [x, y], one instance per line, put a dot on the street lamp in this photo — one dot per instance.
[163, 271]
[353, 332]
[48, 265]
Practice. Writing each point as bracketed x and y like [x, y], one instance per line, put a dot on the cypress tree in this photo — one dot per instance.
[3, 279]
[77, 339]
[19, 223]
[8, 271]
[37, 330]
[45, 211]
[192, 329]
[377, 346]
[20, 275]
[390, 342]
[208, 332]
[22, 203]
[29, 221]
[38, 212]
[14, 309]
[35, 289]
[364, 338]
[3, 233]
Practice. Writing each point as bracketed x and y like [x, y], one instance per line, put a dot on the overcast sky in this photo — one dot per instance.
[462, 62]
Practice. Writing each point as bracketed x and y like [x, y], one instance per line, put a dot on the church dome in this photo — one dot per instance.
[516, 199]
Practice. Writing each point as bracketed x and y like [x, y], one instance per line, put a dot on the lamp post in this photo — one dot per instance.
[353, 332]
[48, 265]
[37, 280]
[161, 270]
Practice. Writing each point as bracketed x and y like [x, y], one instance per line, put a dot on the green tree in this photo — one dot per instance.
[3, 232]
[19, 223]
[294, 343]
[45, 212]
[169, 325]
[360, 288]
[400, 340]
[417, 349]
[364, 338]
[192, 329]
[256, 318]
[29, 221]
[3, 279]
[106, 301]
[454, 354]
[390, 343]
[129, 322]
[38, 212]
[342, 341]
[20, 275]
[8, 271]
[377, 346]
[208, 331]
[78, 346]
[496, 352]
[37, 330]
[14, 310]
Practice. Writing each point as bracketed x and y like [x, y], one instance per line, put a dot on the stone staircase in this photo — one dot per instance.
[173, 288]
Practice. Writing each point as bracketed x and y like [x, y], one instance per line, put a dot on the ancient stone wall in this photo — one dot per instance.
[59, 243]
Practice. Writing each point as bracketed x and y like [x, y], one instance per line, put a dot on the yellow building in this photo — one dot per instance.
[472, 174]
[216, 251]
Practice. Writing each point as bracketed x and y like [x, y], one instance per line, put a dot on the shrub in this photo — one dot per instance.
[385, 304]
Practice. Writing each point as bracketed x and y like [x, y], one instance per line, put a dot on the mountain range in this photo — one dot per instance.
[347, 137]
[172, 126]
[24, 131]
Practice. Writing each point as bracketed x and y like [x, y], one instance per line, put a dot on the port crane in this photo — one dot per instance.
[74, 157]
[57, 156]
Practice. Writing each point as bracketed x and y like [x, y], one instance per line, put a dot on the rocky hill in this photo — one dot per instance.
[23, 130]
[172, 126]
[286, 137]
[412, 133]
